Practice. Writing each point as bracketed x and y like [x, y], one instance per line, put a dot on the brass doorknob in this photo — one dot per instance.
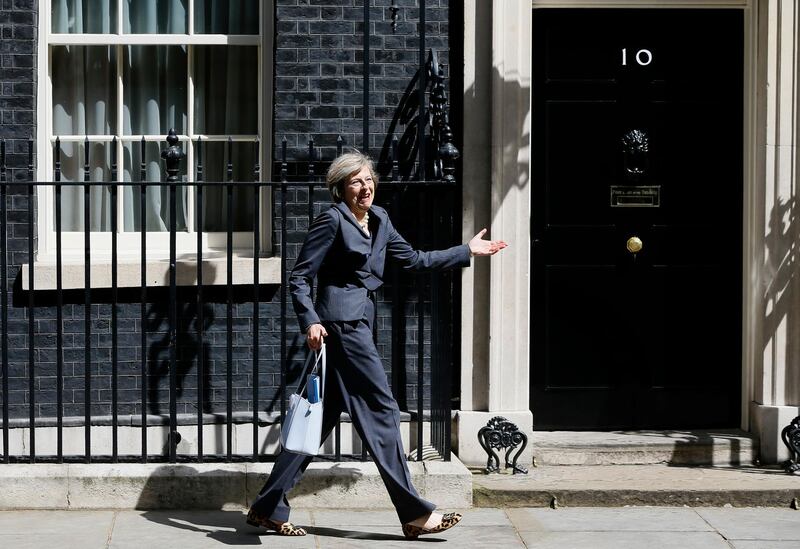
[634, 244]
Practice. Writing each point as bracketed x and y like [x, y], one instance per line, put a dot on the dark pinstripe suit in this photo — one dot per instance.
[348, 265]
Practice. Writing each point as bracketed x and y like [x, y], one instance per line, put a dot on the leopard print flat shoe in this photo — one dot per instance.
[448, 521]
[285, 529]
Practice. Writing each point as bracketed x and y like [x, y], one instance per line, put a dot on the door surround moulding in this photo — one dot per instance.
[750, 215]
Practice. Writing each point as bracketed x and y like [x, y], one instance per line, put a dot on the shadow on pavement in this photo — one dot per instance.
[226, 527]
[353, 534]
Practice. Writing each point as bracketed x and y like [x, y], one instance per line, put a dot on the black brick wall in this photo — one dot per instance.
[17, 79]
[319, 71]
[318, 87]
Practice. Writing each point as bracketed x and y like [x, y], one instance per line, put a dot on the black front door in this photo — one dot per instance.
[636, 218]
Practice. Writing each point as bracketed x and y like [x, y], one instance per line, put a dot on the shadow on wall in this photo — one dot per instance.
[188, 352]
[697, 448]
[184, 487]
[480, 174]
[188, 323]
[779, 314]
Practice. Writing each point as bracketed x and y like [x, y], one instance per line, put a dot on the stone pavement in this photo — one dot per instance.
[563, 528]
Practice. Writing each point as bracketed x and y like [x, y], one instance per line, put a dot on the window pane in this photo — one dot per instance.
[154, 79]
[215, 200]
[157, 198]
[84, 16]
[226, 90]
[154, 16]
[72, 162]
[84, 90]
[226, 16]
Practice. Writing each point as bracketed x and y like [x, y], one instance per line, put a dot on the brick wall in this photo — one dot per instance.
[319, 71]
[318, 85]
[17, 77]
[18, 20]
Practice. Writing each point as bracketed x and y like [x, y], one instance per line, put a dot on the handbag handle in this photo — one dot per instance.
[320, 356]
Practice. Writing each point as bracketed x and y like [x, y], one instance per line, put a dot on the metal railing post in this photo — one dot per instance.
[229, 304]
[59, 310]
[143, 293]
[283, 357]
[4, 292]
[172, 156]
[114, 298]
[87, 304]
[31, 285]
[200, 315]
[256, 285]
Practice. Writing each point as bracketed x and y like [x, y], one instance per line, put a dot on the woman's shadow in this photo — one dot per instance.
[189, 353]
[229, 527]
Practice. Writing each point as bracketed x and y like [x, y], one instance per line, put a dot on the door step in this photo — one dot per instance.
[621, 485]
[721, 447]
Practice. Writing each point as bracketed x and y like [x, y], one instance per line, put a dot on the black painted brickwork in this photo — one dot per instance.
[319, 71]
[17, 78]
[317, 91]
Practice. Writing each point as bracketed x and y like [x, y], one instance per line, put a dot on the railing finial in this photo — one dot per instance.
[173, 156]
[440, 124]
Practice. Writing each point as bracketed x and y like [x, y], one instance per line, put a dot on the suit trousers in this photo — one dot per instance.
[356, 382]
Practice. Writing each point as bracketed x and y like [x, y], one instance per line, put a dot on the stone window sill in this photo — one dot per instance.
[129, 271]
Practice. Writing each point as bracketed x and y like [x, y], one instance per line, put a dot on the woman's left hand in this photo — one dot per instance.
[478, 246]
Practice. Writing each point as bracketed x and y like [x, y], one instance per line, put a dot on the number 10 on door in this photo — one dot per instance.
[643, 57]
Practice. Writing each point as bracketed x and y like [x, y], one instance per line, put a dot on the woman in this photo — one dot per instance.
[346, 249]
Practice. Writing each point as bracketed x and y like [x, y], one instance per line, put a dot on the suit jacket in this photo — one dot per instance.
[348, 264]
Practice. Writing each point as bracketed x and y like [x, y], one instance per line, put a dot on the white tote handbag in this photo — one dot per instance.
[302, 427]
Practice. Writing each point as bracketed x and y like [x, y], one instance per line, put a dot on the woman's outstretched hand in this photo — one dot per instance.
[314, 336]
[478, 246]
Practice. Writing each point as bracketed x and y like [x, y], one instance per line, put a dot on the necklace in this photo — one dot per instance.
[364, 223]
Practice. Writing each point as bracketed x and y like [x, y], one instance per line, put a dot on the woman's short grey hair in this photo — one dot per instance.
[342, 168]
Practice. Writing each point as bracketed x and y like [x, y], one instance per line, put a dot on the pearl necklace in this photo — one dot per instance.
[364, 223]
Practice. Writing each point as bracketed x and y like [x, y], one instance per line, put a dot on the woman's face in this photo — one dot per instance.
[359, 190]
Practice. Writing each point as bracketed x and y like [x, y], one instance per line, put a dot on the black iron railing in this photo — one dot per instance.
[419, 192]
[422, 204]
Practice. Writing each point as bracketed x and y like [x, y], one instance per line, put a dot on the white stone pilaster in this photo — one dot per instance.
[509, 293]
[775, 233]
[496, 292]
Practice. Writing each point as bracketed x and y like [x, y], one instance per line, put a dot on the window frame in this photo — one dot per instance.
[129, 242]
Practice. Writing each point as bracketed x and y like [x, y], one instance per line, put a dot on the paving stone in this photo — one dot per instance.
[49, 541]
[48, 523]
[588, 519]
[624, 540]
[49, 529]
[740, 544]
[755, 524]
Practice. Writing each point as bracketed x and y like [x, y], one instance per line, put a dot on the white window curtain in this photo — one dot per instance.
[155, 80]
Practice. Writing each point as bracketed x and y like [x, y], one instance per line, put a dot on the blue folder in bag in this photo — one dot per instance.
[312, 383]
